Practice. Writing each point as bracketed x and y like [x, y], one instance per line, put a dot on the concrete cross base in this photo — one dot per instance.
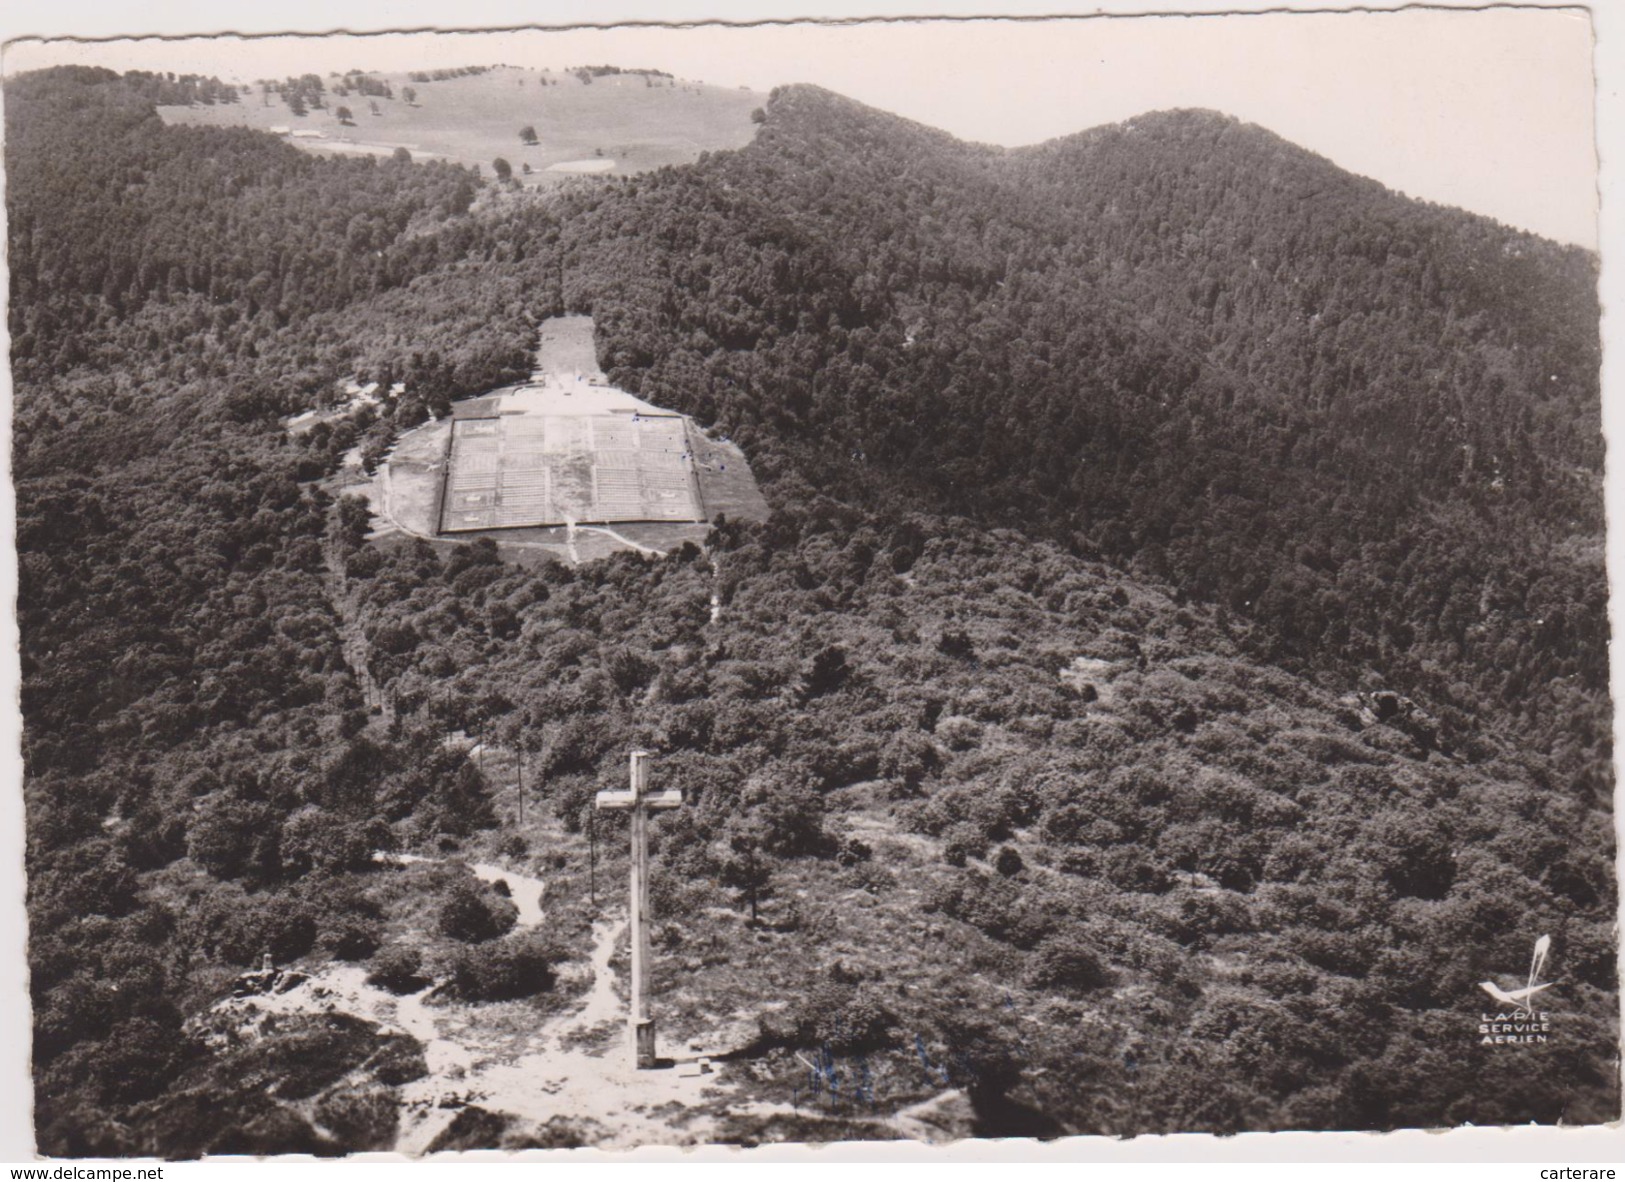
[643, 1036]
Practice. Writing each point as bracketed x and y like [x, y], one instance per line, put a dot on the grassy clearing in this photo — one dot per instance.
[566, 347]
[727, 487]
[474, 120]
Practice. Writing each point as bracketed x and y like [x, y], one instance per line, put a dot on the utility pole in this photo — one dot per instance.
[641, 802]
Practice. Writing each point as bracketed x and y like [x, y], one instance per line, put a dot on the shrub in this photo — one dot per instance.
[315, 839]
[400, 1061]
[1083, 862]
[398, 968]
[983, 1060]
[1008, 862]
[998, 907]
[349, 920]
[867, 876]
[233, 839]
[835, 765]
[1130, 868]
[353, 937]
[309, 1053]
[474, 915]
[1067, 962]
[520, 966]
[472, 1128]
[362, 1119]
[1198, 916]
[852, 850]
[959, 733]
[792, 816]
[137, 1060]
[1290, 856]
[458, 804]
[153, 839]
[395, 638]
[86, 878]
[844, 1019]
[1066, 823]
[363, 564]
[674, 894]
[824, 673]
[246, 932]
[962, 842]
[559, 1133]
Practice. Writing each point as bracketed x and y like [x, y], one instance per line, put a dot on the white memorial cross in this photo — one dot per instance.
[641, 802]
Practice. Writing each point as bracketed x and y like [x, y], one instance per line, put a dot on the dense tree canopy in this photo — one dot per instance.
[1369, 423]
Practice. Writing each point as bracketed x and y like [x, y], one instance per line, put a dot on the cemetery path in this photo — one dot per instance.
[622, 539]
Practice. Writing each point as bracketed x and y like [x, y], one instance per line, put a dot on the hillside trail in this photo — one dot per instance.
[571, 1067]
[716, 584]
[936, 1120]
[575, 1067]
[352, 637]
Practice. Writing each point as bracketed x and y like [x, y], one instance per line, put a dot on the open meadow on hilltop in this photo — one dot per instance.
[579, 122]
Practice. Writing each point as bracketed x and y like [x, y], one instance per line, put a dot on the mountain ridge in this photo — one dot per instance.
[1338, 344]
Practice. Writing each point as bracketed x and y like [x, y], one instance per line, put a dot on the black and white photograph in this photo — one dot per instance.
[774, 582]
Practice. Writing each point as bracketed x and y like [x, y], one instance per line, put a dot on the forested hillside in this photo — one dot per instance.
[1105, 474]
[182, 672]
[1370, 424]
